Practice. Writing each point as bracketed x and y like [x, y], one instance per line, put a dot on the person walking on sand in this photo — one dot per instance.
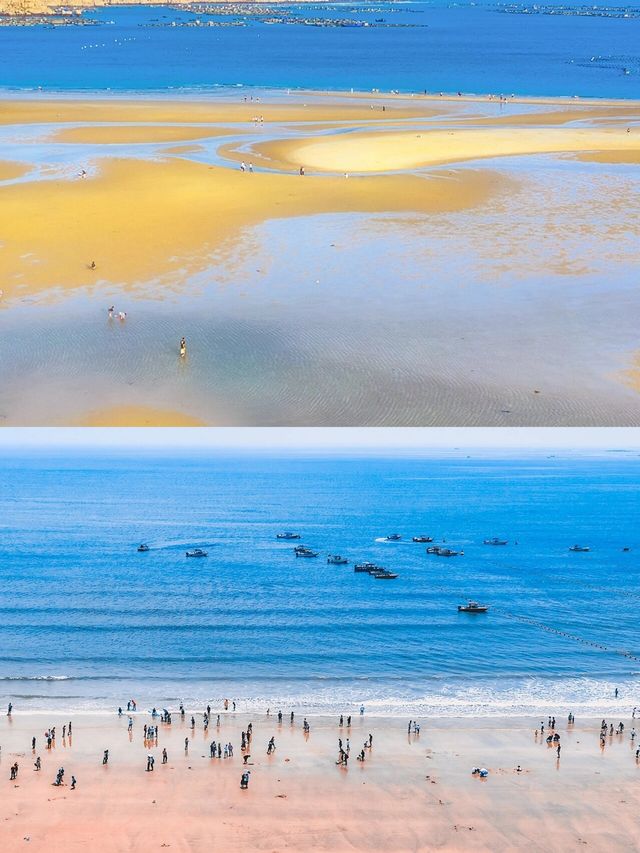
[186, 744]
[183, 350]
[9, 709]
[73, 783]
[14, 772]
[558, 750]
[33, 743]
[38, 763]
[272, 746]
[105, 757]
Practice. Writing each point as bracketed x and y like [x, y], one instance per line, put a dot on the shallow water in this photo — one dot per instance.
[87, 622]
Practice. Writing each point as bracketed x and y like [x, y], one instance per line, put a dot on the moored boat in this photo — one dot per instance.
[196, 552]
[495, 541]
[301, 551]
[142, 548]
[287, 535]
[366, 567]
[439, 551]
[579, 549]
[422, 539]
[384, 575]
[337, 560]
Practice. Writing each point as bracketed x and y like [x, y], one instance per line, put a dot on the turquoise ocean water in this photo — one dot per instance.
[87, 622]
[532, 49]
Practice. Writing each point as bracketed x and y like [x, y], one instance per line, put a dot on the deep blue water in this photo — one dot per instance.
[86, 621]
[434, 46]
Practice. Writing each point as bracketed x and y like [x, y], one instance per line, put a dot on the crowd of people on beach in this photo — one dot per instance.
[547, 732]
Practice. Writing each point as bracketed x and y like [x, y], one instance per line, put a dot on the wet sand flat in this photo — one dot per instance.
[141, 219]
[440, 262]
[410, 793]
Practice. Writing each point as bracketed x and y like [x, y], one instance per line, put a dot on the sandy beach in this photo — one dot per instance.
[412, 792]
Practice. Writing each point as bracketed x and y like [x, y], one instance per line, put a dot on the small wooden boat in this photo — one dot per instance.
[337, 560]
[287, 535]
[142, 548]
[579, 549]
[422, 539]
[196, 552]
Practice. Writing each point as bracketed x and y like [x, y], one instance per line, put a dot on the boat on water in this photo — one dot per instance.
[337, 560]
[393, 537]
[580, 549]
[196, 552]
[384, 575]
[301, 551]
[495, 541]
[439, 551]
[142, 548]
[422, 539]
[473, 607]
[367, 567]
[287, 535]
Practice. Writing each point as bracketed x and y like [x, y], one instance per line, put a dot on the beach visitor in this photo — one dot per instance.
[165, 757]
[361, 710]
[38, 763]
[186, 744]
[9, 709]
[272, 746]
[33, 743]
[105, 757]
[73, 783]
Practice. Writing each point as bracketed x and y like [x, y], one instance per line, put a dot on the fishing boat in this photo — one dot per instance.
[367, 567]
[196, 552]
[473, 607]
[579, 549]
[337, 560]
[439, 551]
[422, 539]
[384, 575]
[305, 552]
[393, 537]
[287, 535]
[495, 541]
[142, 548]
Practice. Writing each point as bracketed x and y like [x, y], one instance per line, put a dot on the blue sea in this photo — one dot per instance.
[87, 622]
[523, 48]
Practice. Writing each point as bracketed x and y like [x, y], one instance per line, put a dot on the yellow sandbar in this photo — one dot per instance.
[133, 134]
[137, 416]
[381, 152]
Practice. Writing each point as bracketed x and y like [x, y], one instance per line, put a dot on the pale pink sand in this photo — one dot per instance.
[410, 794]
